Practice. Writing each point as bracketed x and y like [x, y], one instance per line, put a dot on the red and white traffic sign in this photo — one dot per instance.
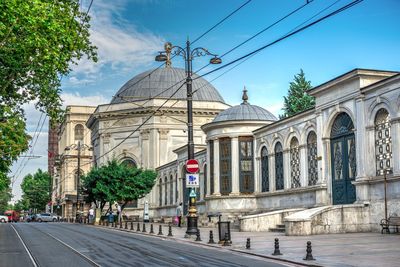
[192, 166]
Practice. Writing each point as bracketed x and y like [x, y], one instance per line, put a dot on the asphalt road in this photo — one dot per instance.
[62, 244]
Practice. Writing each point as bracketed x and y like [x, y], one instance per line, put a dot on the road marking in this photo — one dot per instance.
[77, 252]
[26, 248]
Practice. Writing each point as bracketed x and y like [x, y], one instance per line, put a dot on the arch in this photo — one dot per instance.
[312, 160]
[377, 104]
[289, 137]
[331, 119]
[264, 169]
[129, 162]
[79, 132]
[343, 159]
[383, 142]
[295, 162]
[279, 170]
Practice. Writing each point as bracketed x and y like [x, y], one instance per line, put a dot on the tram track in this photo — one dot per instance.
[35, 261]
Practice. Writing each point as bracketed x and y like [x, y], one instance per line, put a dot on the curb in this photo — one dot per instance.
[207, 245]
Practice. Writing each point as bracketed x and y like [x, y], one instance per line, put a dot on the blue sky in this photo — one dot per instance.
[129, 33]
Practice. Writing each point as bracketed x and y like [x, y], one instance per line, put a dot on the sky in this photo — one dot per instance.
[129, 34]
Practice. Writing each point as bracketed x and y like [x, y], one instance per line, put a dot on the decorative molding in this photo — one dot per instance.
[145, 134]
[163, 134]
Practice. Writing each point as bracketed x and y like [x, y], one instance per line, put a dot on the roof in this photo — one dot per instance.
[162, 83]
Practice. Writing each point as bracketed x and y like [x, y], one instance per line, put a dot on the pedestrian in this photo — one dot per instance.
[91, 215]
[179, 213]
[119, 214]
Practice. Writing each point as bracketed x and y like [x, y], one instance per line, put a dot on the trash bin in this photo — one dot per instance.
[223, 228]
[110, 218]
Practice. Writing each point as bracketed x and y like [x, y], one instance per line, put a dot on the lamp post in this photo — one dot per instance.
[79, 147]
[188, 56]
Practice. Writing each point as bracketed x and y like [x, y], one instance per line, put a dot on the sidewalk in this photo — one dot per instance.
[356, 249]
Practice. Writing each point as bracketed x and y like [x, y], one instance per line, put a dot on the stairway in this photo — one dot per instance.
[279, 228]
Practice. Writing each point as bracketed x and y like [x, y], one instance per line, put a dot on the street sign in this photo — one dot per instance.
[192, 166]
[192, 180]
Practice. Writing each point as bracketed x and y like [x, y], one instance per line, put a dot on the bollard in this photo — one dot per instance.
[144, 228]
[248, 243]
[226, 240]
[169, 230]
[138, 227]
[198, 235]
[309, 256]
[126, 225]
[151, 229]
[131, 226]
[120, 224]
[276, 250]
[160, 230]
[211, 240]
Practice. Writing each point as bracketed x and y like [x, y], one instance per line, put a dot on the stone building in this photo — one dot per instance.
[72, 133]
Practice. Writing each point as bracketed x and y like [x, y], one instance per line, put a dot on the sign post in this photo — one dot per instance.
[192, 181]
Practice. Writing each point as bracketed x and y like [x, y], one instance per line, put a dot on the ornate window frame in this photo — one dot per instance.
[312, 158]
[383, 142]
[246, 164]
[225, 164]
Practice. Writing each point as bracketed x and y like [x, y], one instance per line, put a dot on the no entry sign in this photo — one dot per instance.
[192, 166]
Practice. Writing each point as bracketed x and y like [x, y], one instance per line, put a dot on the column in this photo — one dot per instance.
[257, 174]
[287, 181]
[395, 133]
[272, 175]
[235, 165]
[216, 168]
[303, 165]
[208, 161]
[360, 138]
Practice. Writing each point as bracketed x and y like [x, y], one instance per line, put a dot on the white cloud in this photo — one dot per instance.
[77, 99]
[120, 44]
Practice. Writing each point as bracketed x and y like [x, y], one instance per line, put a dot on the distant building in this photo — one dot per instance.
[71, 131]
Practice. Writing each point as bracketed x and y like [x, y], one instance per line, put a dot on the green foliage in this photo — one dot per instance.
[298, 100]
[5, 197]
[36, 190]
[117, 182]
[20, 205]
[39, 39]
[13, 141]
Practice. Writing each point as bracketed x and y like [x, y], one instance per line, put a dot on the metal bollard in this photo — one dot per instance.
[151, 229]
[276, 250]
[226, 240]
[309, 256]
[131, 226]
[160, 230]
[126, 225]
[144, 228]
[138, 227]
[198, 235]
[248, 243]
[169, 230]
[211, 240]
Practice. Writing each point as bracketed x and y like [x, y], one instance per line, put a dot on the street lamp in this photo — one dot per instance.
[188, 56]
[79, 147]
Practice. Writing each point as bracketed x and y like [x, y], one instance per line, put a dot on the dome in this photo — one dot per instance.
[245, 112]
[154, 83]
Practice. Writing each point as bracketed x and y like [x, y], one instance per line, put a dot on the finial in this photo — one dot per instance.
[245, 97]
[168, 49]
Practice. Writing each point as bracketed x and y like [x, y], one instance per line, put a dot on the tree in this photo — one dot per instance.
[117, 182]
[39, 42]
[13, 141]
[5, 197]
[35, 190]
[298, 99]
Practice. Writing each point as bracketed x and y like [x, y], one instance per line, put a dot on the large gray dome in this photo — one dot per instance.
[154, 83]
[245, 112]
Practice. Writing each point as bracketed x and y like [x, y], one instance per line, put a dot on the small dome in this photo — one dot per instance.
[245, 112]
[154, 83]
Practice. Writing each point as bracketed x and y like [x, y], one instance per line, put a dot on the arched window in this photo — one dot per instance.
[246, 174]
[205, 181]
[129, 162]
[312, 158]
[264, 170]
[78, 132]
[165, 191]
[225, 162]
[160, 192]
[295, 163]
[279, 185]
[383, 142]
[171, 190]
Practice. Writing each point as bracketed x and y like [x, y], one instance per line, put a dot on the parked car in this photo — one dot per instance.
[12, 215]
[46, 217]
[3, 218]
[30, 218]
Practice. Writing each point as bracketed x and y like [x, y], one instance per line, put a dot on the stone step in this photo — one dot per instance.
[280, 230]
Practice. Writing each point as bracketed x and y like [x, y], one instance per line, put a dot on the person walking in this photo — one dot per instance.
[91, 215]
[179, 213]
[119, 214]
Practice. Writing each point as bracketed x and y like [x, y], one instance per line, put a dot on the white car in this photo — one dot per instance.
[3, 219]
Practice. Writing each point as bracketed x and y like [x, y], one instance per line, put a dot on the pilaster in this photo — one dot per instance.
[235, 165]
[216, 168]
